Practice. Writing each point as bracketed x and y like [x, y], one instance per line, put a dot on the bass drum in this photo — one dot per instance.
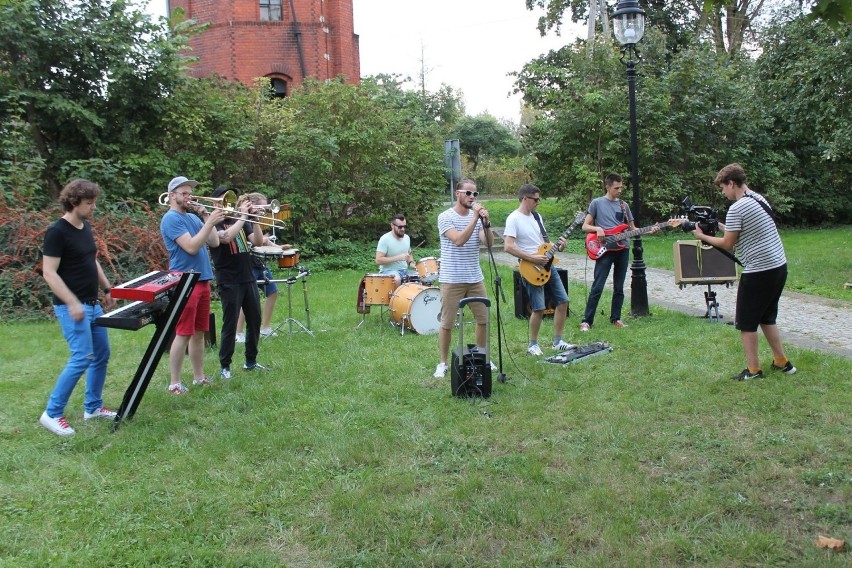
[416, 307]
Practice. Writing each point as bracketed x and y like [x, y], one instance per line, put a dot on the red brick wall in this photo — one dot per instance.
[238, 46]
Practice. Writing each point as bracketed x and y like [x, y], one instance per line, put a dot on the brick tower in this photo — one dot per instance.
[284, 40]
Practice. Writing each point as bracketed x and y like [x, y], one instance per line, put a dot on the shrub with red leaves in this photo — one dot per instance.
[129, 245]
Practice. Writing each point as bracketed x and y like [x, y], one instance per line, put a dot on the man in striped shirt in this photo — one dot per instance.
[750, 227]
[462, 228]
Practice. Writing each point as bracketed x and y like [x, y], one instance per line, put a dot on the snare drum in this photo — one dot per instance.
[266, 252]
[427, 268]
[289, 258]
[378, 289]
[417, 307]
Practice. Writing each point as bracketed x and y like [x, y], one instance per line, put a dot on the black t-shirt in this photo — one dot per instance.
[77, 252]
[233, 261]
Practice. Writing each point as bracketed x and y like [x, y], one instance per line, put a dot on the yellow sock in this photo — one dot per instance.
[780, 362]
[753, 371]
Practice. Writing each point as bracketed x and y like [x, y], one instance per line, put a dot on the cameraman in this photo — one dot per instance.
[750, 227]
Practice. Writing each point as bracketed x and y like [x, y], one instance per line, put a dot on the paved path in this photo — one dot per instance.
[806, 321]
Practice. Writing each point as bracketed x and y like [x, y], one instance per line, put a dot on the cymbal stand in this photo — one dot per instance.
[303, 276]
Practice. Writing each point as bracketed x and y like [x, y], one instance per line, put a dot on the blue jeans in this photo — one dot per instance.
[536, 293]
[89, 346]
[620, 260]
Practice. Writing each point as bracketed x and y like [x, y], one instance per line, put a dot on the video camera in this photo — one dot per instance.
[703, 216]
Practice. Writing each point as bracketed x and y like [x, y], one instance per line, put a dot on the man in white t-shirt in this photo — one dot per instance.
[522, 238]
[462, 228]
[393, 253]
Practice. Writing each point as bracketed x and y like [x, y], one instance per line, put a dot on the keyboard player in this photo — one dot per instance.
[186, 228]
[71, 269]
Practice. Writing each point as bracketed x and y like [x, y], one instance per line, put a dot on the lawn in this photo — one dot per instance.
[349, 453]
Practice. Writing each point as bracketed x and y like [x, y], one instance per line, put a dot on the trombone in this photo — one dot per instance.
[228, 204]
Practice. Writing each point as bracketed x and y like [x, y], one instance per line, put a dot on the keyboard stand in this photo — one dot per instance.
[165, 323]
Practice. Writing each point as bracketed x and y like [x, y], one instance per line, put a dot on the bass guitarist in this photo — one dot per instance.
[523, 237]
[607, 212]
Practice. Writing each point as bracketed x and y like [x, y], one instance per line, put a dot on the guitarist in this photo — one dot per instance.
[607, 212]
[523, 236]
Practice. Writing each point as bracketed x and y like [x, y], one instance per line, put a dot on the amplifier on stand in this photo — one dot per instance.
[522, 301]
[697, 263]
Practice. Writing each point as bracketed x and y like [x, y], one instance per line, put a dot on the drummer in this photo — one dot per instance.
[261, 272]
[393, 253]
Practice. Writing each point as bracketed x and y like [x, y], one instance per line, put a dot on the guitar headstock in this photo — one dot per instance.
[675, 222]
[579, 217]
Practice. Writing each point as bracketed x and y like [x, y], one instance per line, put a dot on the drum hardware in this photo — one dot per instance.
[290, 320]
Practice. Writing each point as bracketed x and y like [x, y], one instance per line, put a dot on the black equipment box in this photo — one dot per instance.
[522, 300]
[470, 370]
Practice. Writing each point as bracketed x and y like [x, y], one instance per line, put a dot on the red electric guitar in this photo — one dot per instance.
[611, 242]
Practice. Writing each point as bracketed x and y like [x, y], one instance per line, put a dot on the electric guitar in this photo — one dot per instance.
[539, 275]
[611, 243]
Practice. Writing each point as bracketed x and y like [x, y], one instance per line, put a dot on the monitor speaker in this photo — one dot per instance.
[697, 263]
[522, 301]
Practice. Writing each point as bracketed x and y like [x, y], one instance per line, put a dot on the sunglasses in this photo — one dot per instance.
[536, 199]
[469, 193]
[401, 226]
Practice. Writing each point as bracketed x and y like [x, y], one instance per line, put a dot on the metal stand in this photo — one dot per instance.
[290, 320]
[712, 312]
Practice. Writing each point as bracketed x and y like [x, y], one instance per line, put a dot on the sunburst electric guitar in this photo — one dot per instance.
[613, 237]
[539, 275]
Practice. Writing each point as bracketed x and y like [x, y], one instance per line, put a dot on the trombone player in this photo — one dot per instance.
[186, 227]
[237, 283]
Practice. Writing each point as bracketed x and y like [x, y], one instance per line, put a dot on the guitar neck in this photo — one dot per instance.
[552, 251]
[633, 233]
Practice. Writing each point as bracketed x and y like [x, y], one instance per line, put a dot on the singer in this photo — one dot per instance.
[462, 228]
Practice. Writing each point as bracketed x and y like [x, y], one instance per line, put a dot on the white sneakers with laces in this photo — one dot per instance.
[535, 350]
[440, 371]
[102, 412]
[58, 426]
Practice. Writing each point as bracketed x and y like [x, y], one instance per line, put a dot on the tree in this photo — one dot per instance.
[91, 78]
[347, 162]
[483, 136]
[803, 82]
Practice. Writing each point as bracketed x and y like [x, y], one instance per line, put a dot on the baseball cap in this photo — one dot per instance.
[220, 191]
[179, 181]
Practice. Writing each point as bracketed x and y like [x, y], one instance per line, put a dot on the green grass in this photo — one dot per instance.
[349, 453]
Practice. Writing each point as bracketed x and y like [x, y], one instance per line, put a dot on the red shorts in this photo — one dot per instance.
[196, 314]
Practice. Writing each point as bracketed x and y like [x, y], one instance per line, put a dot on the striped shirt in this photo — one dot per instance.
[759, 245]
[459, 264]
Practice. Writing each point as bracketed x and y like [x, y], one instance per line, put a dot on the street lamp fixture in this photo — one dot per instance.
[628, 26]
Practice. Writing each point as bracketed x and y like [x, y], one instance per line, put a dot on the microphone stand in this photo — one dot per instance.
[498, 284]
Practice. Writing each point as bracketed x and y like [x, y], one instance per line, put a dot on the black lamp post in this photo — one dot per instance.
[628, 26]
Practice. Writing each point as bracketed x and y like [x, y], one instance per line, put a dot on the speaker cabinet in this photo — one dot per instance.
[697, 263]
[522, 301]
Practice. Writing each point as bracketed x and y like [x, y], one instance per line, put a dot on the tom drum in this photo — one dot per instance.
[289, 258]
[378, 289]
[428, 269]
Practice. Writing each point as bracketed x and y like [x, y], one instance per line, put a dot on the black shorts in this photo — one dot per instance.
[757, 298]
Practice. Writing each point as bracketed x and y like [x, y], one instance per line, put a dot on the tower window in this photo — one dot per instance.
[279, 87]
[270, 10]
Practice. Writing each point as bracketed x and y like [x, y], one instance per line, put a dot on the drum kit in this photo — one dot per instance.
[415, 305]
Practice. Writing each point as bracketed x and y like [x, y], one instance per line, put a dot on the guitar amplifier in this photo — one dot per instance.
[522, 301]
[697, 263]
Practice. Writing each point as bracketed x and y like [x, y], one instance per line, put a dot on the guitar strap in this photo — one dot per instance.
[766, 208]
[540, 226]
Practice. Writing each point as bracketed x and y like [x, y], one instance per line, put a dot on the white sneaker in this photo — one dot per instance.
[440, 371]
[241, 338]
[268, 332]
[562, 346]
[225, 374]
[58, 426]
[534, 350]
[103, 412]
